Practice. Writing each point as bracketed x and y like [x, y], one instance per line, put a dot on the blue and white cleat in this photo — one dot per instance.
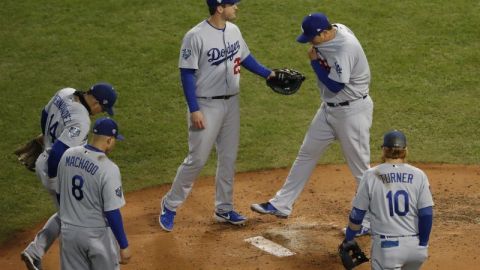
[30, 262]
[231, 217]
[166, 218]
[267, 208]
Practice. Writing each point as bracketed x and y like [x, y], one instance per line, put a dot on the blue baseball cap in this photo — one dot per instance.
[106, 96]
[312, 25]
[214, 3]
[107, 127]
[394, 139]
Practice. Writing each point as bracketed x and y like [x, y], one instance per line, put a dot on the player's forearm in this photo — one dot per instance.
[425, 220]
[115, 221]
[322, 75]
[252, 65]
[188, 82]
[355, 223]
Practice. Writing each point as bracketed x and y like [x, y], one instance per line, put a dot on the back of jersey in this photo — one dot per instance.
[67, 120]
[89, 185]
[394, 193]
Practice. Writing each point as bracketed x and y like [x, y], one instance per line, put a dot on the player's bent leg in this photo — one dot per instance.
[44, 238]
[319, 136]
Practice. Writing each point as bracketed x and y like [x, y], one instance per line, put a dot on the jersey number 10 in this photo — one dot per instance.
[394, 203]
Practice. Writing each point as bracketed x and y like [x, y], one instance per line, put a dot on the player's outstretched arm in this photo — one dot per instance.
[252, 65]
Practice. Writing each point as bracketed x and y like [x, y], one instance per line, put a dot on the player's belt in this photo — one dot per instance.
[396, 236]
[345, 103]
[219, 97]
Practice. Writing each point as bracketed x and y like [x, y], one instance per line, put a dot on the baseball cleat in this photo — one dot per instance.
[30, 262]
[267, 208]
[362, 232]
[231, 217]
[166, 218]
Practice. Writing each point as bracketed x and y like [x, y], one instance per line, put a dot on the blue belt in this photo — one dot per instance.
[345, 103]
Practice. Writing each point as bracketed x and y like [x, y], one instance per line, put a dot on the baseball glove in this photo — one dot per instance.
[351, 254]
[286, 81]
[28, 153]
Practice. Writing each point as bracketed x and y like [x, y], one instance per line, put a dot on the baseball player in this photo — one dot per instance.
[211, 56]
[345, 114]
[90, 199]
[65, 123]
[399, 198]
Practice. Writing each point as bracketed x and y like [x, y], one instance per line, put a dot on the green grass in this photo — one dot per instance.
[423, 57]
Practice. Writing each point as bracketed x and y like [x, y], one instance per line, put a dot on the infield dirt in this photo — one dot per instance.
[312, 231]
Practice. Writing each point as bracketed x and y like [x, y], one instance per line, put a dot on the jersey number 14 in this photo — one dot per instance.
[394, 203]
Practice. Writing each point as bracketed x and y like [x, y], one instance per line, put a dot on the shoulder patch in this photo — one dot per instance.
[338, 68]
[186, 53]
[73, 132]
[119, 192]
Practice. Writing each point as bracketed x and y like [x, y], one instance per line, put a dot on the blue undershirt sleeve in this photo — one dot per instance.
[54, 157]
[188, 83]
[356, 217]
[322, 75]
[115, 221]
[252, 65]
[425, 220]
[43, 120]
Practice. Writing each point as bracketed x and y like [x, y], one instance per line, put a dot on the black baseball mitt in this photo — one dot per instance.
[286, 81]
[351, 254]
[28, 153]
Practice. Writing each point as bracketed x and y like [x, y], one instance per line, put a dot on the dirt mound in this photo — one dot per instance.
[312, 231]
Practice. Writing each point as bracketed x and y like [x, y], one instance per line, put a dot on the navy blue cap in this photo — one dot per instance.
[214, 3]
[312, 25]
[394, 139]
[107, 127]
[106, 96]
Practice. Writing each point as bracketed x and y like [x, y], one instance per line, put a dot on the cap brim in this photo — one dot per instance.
[303, 38]
[120, 137]
[108, 110]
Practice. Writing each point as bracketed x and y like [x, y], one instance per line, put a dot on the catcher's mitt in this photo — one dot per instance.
[351, 254]
[28, 153]
[286, 81]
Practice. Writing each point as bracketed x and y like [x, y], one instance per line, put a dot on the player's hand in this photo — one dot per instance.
[197, 120]
[312, 53]
[125, 255]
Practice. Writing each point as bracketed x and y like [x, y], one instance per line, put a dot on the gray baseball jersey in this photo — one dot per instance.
[69, 122]
[348, 122]
[90, 184]
[216, 55]
[344, 57]
[393, 193]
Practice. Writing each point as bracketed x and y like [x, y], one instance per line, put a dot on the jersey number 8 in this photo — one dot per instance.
[77, 184]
